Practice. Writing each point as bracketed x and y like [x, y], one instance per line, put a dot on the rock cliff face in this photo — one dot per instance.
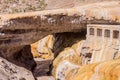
[43, 48]
[109, 70]
[54, 21]
[101, 45]
[45, 22]
[69, 66]
[10, 71]
[18, 31]
[51, 45]
[68, 57]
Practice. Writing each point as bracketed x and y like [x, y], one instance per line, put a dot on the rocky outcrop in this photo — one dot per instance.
[63, 40]
[43, 48]
[14, 58]
[19, 30]
[67, 60]
[42, 67]
[54, 21]
[50, 46]
[46, 78]
[10, 71]
[109, 70]
[18, 55]
[68, 66]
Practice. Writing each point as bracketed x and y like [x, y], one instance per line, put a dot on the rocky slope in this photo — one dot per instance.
[18, 31]
[68, 66]
[21, 6]
[18, 6]
[55, 4]
[109, 70]
[66, 59]
[10, 71]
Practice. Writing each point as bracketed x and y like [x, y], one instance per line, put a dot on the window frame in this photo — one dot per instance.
[107, 33]
[99, 32]
[115, 36]
[91, 31]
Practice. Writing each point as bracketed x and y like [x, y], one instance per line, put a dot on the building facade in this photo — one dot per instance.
[102, 43]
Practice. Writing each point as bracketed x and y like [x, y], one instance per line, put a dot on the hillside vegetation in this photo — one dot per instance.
[16, 6]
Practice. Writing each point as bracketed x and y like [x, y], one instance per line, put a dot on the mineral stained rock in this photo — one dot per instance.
[66, 59]
[69, 65]
[109, 70]
[43, 48]
[50, 46]
[18, 30]
[10, 71]
[54, 21]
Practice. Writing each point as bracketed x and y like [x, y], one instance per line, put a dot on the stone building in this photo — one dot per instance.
[102, 43]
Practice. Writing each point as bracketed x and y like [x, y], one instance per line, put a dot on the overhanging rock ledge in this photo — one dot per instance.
[18, 31]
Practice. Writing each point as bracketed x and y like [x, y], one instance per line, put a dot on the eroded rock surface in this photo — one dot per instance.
[69, 64]
[109, 70]
[18, 30]
[43, 48]
[10, 71]
[42, 67]
[67, 60]
[50, 46]
[54, 21]
[20, 55]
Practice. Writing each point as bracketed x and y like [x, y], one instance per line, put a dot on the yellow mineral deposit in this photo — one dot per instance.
[34, 50]
[109, 70]
[67, 60]
[42, 48]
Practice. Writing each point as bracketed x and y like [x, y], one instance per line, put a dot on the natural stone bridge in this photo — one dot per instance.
[19, 30]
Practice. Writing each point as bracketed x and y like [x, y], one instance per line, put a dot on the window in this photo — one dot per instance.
[116, 34]
[91, 31]
[107, 33]
[99, 32]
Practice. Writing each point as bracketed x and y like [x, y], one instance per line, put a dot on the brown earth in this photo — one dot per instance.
[55, 4]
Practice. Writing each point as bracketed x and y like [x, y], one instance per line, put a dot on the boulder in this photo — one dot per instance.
[10, 71]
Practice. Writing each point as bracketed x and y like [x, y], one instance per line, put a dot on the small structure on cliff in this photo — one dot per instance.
[102, 43]
[103, 31]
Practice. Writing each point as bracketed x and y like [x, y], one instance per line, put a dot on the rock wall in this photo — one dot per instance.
[43, 48]
[109, 70]
[50, 46]
[19, 30]
[68, 57]
[19, 55]
[70, 64]
[42, 23]
[10, 71]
